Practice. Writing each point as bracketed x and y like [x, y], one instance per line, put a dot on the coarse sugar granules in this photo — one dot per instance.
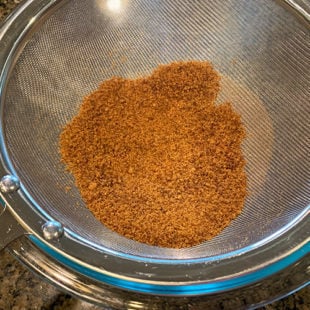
[155, 159]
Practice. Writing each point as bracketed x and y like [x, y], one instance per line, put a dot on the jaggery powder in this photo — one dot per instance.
[155, 159]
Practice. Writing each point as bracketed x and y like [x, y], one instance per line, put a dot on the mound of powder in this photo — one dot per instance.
[155, 159]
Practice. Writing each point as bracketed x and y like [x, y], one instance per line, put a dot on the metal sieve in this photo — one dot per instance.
[55, 52]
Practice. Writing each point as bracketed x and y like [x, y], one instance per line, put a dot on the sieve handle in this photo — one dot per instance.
[10, 229]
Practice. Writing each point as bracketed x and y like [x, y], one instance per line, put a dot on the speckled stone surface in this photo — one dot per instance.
[6, 6]
[20, 289]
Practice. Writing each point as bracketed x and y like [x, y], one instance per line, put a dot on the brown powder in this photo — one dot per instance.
[155, 159]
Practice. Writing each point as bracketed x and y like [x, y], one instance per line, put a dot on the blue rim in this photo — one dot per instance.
[190, 289]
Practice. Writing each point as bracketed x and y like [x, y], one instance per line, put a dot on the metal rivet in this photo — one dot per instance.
[52, 230]
[9, 183]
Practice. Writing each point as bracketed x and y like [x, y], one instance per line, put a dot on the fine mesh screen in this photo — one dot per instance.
[259, 47]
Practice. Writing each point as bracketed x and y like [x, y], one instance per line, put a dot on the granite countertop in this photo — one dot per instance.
[21, 289]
